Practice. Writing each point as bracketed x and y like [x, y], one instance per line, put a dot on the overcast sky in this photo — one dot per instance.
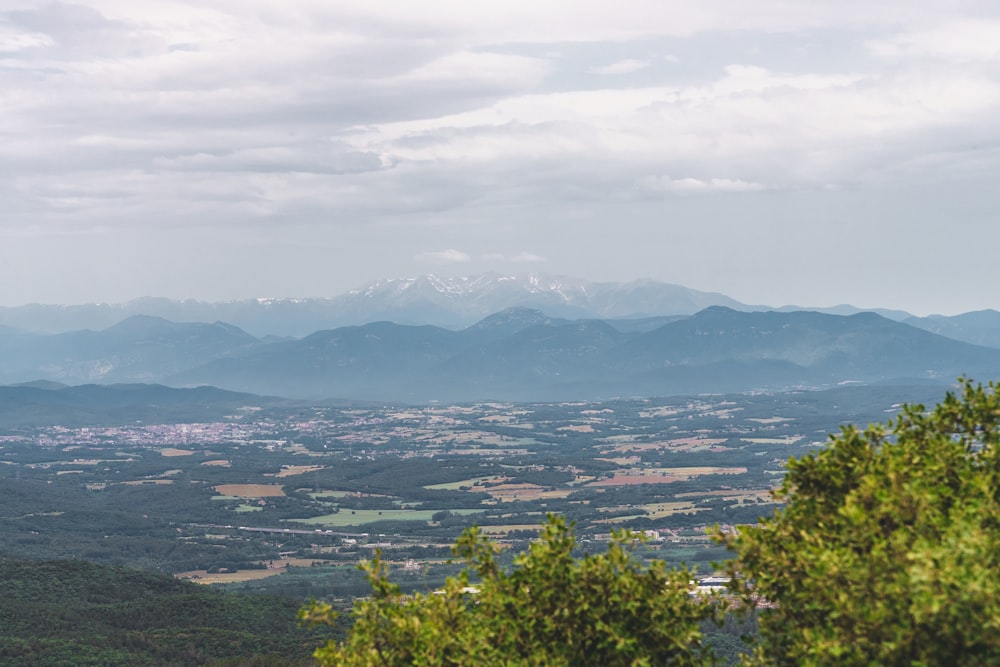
[779, 151]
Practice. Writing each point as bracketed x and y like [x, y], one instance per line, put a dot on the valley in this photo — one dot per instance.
[287, 498]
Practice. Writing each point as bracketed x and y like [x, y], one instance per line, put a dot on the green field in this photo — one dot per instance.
[242, 509]
[455, 486]
[359, 517]
[319, 495]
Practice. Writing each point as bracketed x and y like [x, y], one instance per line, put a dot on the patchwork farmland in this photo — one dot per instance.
[298, 494]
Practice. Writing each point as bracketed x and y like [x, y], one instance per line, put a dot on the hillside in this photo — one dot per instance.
[38, 404]
[77, 613]
[138, 349]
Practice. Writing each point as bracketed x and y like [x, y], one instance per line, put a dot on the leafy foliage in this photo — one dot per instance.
[550, 608]
[888, 549]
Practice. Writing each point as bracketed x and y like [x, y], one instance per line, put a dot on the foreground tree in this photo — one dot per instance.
[550, 608]
[887, 551]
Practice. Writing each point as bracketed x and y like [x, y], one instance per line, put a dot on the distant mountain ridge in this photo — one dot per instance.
[476, 297]
[453, 303]
[491, 336]
[981, 327]
[446, 302]
[140, 348]
[516, 354]
[524, 355]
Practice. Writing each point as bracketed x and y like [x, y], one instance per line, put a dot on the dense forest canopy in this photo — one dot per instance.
[82, 614]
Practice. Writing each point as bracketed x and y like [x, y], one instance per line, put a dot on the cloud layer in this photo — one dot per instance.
[219, 149]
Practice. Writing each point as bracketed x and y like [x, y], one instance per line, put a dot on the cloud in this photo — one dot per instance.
[449, 256]
[523, 257]
[963, 41]
[699, 186]
[338, 125]
[316, 157]
[754, 124]
[622, 67]
[345, 89]
[15, 40]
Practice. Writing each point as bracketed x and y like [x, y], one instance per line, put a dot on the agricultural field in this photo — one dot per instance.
[282, 494]
[358, 518]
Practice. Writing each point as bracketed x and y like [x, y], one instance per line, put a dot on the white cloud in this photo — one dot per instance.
[964, 40]
[523, 257]
[469, 122]
[750, 123]
[622, 67]
[449, 256]
[519, 71]
[698, 185]
[14, 40]
[317, 157]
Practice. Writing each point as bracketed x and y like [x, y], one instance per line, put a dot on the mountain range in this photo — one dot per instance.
[518, 354]
[523, 337]
[452, 303]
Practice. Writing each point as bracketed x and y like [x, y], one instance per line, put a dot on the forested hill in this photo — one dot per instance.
[47, 404]
[77, 613]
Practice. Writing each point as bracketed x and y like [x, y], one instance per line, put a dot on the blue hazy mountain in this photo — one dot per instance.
[981, 327]
[515, 354]
[138, 349]
[537, 358]
[454, 303]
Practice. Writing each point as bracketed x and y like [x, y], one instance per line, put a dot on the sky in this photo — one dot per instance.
[780, 151]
